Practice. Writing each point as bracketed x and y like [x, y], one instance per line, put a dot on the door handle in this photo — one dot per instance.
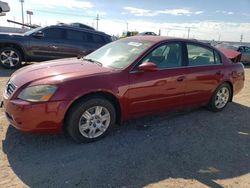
[234, 74]
[218, 72]
[181, 78]
[55, 47]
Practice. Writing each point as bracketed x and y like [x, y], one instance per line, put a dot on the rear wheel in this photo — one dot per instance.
[10, 58]
[220, 98]
[91, 119]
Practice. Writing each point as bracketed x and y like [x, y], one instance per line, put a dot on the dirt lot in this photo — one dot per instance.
[191, 149]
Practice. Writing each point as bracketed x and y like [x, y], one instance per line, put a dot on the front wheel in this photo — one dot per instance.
[220, 98]
[91, 119]
[10, 58]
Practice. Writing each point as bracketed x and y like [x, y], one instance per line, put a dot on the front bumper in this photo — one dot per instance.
[46, 117]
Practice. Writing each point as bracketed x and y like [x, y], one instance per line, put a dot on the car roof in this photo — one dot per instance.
[158, 39]
[79, 29]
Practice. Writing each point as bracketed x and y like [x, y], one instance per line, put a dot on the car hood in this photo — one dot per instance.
[59, 70]
[11, 35]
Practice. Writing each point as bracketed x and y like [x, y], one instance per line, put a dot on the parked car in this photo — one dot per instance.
[245, 54]
[47, 43]
[125, 79]
[81, 25]
[4, 7]
[148, 33]
[129, 34]
[244, 50]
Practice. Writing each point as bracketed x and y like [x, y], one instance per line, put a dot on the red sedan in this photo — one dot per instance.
[125, 79]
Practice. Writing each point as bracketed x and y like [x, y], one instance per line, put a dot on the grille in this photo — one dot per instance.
[10, 88]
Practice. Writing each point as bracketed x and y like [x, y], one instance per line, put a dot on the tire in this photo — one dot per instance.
[84, 123]
[15, 56]
[220, 98]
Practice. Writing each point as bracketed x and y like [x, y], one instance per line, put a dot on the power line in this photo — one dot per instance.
[62, 13]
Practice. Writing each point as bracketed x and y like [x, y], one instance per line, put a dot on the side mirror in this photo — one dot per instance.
[148, 67]
[38, 34]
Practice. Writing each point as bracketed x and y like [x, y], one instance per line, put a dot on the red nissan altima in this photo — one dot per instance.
[125, 79]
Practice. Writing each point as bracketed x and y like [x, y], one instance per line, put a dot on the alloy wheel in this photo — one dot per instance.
[222, 97]
[94, 122]
[9, 58]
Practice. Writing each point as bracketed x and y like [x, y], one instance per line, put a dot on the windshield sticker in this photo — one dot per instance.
[136, 44]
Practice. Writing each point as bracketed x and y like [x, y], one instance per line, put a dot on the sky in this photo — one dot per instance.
[206, 19]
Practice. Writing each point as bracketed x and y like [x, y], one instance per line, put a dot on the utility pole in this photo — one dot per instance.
[127, 26]
[27, 17]
[241, 37]
[188, 32]
[22, 1]
[168, 31]
[97, 21]
[219, 36]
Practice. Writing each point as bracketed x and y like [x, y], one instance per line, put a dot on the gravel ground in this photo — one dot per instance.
[194, 148]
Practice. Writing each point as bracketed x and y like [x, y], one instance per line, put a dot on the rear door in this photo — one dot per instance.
[204, 73]
[160, 90]
[76, 42]
[95, 41]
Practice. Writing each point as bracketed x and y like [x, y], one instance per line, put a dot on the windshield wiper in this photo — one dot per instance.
[93, 61]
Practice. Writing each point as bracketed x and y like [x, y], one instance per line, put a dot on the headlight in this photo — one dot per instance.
[38, 93]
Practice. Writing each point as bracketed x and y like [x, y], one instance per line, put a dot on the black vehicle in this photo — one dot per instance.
[147, 33]
[47, 43]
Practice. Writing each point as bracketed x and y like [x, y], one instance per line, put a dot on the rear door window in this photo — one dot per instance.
[94, 38]
[201, 56]
[74, 35]
[99, 39]
[89, 37]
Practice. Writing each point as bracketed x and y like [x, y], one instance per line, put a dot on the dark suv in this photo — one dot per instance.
[46, 43]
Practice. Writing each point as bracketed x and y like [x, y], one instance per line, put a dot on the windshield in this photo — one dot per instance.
[119, 54]
[32, 31]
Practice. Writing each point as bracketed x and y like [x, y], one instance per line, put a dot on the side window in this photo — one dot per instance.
[93, 38]
[53, 33]
[198, 55]
[166, 56]
[247, 50]
[99, 39]
[217, 58]
[74, 35]
[89, 37]
[241, 49]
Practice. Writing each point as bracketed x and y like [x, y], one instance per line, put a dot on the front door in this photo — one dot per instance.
[51, 46]
[160, 90]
